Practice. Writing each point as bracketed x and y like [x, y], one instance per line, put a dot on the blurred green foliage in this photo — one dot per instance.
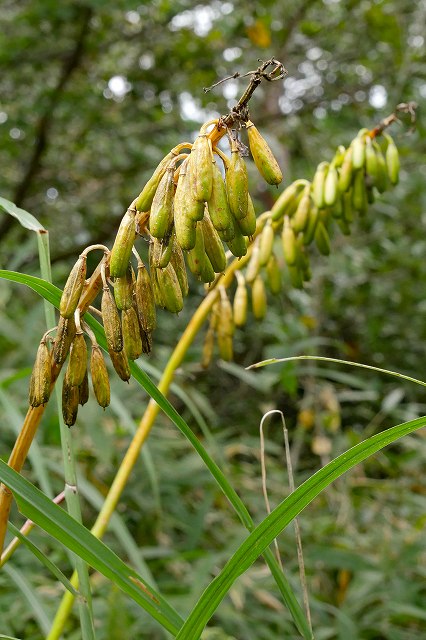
[92, 95]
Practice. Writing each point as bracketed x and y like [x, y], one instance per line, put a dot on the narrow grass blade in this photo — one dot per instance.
[55, 521]
[30, 595]
[280, 517]
[26, 219]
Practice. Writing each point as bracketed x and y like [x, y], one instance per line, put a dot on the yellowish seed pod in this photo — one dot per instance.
[100, 378]
[301, 216]
[318, 184]
[123, 245]
[156, 289]
[237, 184]
[131, 334]
[213, 245]
[218, 206]
[358, 152]
[258, 298]
[185, 201]
[161, 216]
[73, 288]
[170, 289]
[196, 257]
[370, 160]
[178, 262]
[120, 363]
[145, 198]
[309, 231]
[201, 169]
[288, 238]
[208, 346]
[322, 239]
[285, 203]
[70, 401]
[41, 376]
[240, 305]
[247, 225]
[359, 194]
[330, 186]
[64, 336]
[111, 320]
[185, 224]
[225, 327]
[254, 263]
[273, 275]
[392, 161]
[266, 243]
[77, 364]
[346, 171]
[262, 155]
[124, 289]
[144, 297]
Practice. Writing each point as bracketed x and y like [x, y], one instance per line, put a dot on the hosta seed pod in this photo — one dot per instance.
[155, 251]
[346, 171]
[301, 216]
[144, 297]
[120, 363]
[254, 263]
[237, 184]
[201, 169]
[170, 289]
[347, 208]
[247, 225]
[146, 342]
[158, 295]
[197, 255]
[238, 244]
[123, 245]
[339, 156]
[358, 152]
[207, 274]
[262, 155]
[322, 239]
[258, 298]
[344, 226]
[392, 161]
[288, 238]
[273, 275]
[83, 390]
[285, 204]
[266, 243]
[240, 305]
[330, 186]
[370, 160]
[208, 346]
[166, 254]
[111, 320]
[41, 376]
[309, 232]
[161, 216]
[70, 400]
[184, 225]
[225, 327]
[218, 207]
[77, 364]
[131, 335]
[178, 262]
[185, 206]
[296, 276]
[145, 198]
[124, 289]
[73, 288]
[64, 336]
[382, 173]
[359, 194]
[213, 245]
[100, 378]
[337, 208]
[318, 184]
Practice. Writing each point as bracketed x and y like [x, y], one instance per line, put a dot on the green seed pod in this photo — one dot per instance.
[73, 288]
[144, 296]
[301, 216]
[254, 263]
[207, 274]
[266, 243]
[358, 152]
[161, 216]
[120, 363]
[273, 275]
[178, 262]
[70, 400]
[258, 298]
[382, 172]
[237, 184]
[346, 171]
[196, 257]
[339, 156]
[111, 320]
[262, 155]
[247, 225]
[100, 378]
[296, 276]
[185, 205]
[213, 245]
[41, 376]
[344, 226]
[225, 327]
[240, 305]
[337, 208]
[288, 238]
[77, 364]
[201, 169]
[318, 184]
[359, 194]
[131, 335]
[184, 227]
[238, 244]
[166, 253]
[347, 208]
[370, 161]
[83, 390]
[144, 200]
[322, 239]
[124, 289]
[330, 186]
[218, 207]
[392, 161]
[285, 204]
[170, 289]
[156, 289]
[309, 232]
[123, 245]
[64, 336]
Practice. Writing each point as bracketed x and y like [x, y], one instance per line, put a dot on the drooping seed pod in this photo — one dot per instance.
[201, 169]
[208, 346]
[240, 305]
[155, 251]
[262, 155]
[131, 335]
[247, 225]
[218, 206]
[120, 363]
[318, 184]
[100, 378]
[124, 289]
[392, 160]
[309, 231]
[273, 275]
[144, 200]
[301, 216]
[347, 208]
[253, 264]
[296, 276]
[285, 203]
[41, 376]
[266, 243]
[73, 288]
[339, 156]
[358, 150]
[238, 244]
[170, 289]
[123, 245]
[207, 274]
[70, 400]
[64, 336]
[178, 263]
[161, 216]
[258, 298]
[382, 173]
[337, 208]
[146, 342]
[370, 161]
[111, 320]
[197, 255]
[77, 364]
[185, 204]
[225, 327]
[166, 254]
[346, 171]
[144, 297]
[359, 194]
[322, 239]
[237, 184]
[330, 186]
[83, 390]
[213, 245]
[344, 226]
[288, 238]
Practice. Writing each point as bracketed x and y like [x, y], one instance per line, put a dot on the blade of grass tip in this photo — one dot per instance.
[39, 612]
[43, 559]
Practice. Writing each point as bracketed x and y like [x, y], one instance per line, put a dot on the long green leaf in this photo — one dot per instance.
[26, 219]
[280, 517]
[30, 594]
[34, 505]
[53, 294]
